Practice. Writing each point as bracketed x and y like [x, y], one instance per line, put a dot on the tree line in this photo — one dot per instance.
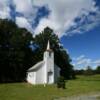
[19, 50]
[88, 71]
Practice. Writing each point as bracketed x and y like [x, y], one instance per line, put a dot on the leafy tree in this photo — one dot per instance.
[15, 54]
[61, 82]
[88, 71]
[62, 59]
[98, 70]
[80, 72]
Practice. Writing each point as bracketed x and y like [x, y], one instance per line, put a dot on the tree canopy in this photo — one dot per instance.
[62, 59]
[15, 54]
[19, 50]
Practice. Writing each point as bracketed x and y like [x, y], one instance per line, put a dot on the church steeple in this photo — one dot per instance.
[48, 45]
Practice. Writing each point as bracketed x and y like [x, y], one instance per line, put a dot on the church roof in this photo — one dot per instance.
[36, 66]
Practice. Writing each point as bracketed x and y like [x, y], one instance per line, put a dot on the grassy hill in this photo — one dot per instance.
[25, 91]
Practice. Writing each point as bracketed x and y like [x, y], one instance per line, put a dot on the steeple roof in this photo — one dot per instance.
[48, 47]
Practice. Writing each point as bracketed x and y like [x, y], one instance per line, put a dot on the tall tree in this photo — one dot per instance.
[62, 59]
[15, 54]
[89, 71]
[19, 51]
[98, 70]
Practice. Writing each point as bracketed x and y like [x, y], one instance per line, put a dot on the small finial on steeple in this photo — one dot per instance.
[48, 45]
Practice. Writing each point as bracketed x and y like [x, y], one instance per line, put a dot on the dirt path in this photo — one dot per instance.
[81, 97]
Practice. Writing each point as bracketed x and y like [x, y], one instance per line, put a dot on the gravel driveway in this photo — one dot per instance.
[81, 97]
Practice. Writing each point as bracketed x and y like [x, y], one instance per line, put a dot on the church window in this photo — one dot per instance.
[49, 54]
[45, 55]
[50, 72]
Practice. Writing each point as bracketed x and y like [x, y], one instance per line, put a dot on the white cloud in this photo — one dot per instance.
[91, 21]
[24, 6]
[63, 13]
[82, 62]
[61, 17]
[97, 62]
[45, 22]
[80, 57]
[4, 9]
[23, 23]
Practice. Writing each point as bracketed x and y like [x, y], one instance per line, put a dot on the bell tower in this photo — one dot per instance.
[49, 64]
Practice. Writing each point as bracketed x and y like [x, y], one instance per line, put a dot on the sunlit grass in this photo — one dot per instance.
[25, 91]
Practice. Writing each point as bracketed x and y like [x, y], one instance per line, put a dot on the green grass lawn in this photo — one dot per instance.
[98, 98]
[25, 91]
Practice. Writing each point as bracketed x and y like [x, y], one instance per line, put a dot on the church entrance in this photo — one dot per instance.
[50, 77]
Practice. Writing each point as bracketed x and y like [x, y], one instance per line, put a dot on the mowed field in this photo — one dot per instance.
[25, 91]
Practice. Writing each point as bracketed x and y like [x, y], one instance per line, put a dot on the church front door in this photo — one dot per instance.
[50, 77]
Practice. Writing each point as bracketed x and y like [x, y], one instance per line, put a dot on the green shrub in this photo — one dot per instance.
[61, 82]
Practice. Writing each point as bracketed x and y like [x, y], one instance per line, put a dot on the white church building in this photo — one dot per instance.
[44, 72]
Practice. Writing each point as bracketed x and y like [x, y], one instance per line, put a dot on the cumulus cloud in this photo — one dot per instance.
[23, 23]
[25, 7]
[85, 23]
[63, 14]
[97, 62]
[80, 57]
[82, 62]
[4, 9]
[62, 17]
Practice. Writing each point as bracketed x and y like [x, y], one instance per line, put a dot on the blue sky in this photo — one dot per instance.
[84, 46]
[76, 22]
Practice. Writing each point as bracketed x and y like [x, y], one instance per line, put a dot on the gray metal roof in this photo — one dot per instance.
[36, 66]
